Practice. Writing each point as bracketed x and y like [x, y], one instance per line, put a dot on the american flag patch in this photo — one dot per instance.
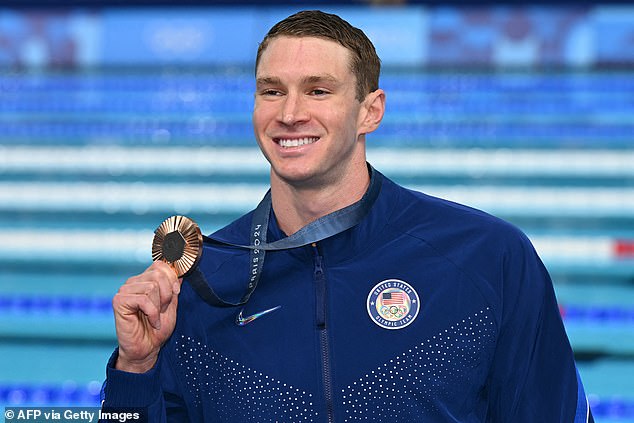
[393, 304]
[393, 298]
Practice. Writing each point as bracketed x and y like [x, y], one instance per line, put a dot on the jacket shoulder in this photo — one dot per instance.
[438, 220]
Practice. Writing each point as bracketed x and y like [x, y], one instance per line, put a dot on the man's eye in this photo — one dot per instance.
[270, 92]
[319, 92]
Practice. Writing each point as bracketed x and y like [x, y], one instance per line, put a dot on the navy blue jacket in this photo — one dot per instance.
[426, 311]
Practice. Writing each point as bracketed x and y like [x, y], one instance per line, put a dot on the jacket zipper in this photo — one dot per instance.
[320, 286]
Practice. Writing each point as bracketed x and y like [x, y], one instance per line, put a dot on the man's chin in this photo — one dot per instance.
[300, 178]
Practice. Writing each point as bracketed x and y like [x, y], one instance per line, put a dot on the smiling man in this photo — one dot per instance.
[375, 303]
[310, 119]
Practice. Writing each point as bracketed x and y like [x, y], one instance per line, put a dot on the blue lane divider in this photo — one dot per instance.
[53, 304]
[68, 393]
[597, 314]
[612, 407]
[74, 394]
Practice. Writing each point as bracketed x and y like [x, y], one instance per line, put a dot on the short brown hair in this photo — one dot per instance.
[365, 64]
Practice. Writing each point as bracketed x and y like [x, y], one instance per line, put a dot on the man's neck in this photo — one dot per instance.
[296, 207]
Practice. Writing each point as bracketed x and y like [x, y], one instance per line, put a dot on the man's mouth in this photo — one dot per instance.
[295, 142]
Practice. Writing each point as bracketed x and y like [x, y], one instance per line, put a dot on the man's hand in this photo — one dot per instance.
[145, 316]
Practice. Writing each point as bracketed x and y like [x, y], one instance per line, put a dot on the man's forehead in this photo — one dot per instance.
[282, 45]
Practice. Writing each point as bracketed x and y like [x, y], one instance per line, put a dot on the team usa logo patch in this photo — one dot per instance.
[393, 304]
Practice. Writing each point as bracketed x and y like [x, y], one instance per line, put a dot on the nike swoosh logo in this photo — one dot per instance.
[242, 321]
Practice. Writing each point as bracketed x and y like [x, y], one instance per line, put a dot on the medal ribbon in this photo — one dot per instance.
[322, 228]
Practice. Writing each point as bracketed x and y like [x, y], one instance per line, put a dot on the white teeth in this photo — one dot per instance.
[296, 142]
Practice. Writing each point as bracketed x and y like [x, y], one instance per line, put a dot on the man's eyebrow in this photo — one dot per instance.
[320, 78]
[311, 79]
[267, 80]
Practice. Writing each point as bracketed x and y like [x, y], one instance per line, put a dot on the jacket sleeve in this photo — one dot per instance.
[533, 376]
[125, 392]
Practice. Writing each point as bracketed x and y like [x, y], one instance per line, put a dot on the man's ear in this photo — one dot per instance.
[372, 110]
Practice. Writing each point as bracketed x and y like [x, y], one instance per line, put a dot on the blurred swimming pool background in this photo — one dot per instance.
[105, 131]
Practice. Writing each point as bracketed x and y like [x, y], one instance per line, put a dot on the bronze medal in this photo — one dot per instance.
[178, 242]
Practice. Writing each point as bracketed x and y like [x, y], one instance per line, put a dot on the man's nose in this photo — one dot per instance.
[294, 109]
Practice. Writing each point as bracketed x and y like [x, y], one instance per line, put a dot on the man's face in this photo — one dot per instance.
[306, 117]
